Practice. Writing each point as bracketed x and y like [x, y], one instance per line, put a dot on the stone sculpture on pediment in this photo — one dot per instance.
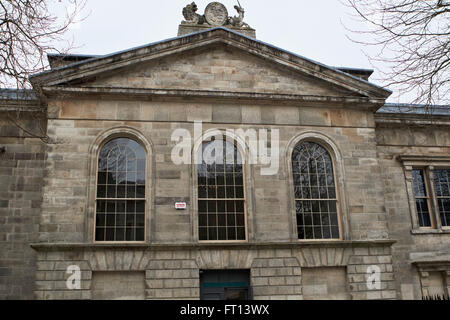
[191, 15]
[216, 15]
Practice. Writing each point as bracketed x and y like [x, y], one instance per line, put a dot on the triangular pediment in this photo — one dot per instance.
[214, 60]
[217, 68]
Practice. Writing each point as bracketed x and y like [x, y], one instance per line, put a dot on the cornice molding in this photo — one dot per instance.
[21, 105]
[212, 246]
[238, 97]
[418, 160]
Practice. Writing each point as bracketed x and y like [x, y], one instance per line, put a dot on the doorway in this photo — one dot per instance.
[225, 285]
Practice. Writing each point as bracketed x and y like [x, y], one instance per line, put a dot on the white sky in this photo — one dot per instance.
[313, 29]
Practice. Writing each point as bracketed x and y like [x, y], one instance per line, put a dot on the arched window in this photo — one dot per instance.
[221, 199]
[315, 192]
[120, 202]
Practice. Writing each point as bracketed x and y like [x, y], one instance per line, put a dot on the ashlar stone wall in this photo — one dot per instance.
[79, 123]
[76, 125]
[21, 180]
[172, 271]
[393, 141]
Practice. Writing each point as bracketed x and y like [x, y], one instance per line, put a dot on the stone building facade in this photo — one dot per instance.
[49, 190]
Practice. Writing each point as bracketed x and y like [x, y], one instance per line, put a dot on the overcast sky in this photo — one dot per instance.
[314, 29]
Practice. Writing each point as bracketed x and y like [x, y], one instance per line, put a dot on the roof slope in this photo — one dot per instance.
[415, 109]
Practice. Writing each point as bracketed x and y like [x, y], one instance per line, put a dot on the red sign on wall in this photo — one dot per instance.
[180, 205]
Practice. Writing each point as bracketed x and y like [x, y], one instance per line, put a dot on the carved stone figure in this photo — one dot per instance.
[216, 14]
[191, 15]
[239, 20]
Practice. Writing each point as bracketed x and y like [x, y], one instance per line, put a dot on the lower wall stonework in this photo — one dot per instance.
[172, 271]
[21, 180]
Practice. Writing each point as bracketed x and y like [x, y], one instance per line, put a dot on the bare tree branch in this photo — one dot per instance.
[29, 29]
[413, 39]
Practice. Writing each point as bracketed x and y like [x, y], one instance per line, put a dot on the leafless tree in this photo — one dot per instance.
[29, 29]
[413, 38]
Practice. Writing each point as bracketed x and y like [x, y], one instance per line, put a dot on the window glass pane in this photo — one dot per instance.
[100, 220]
[212, 234]
[220, 178]
[202, 206]
[101, 206]
[423, 212]
[202, 234]
[442, 187]
[222, 220]
[109, 234]
[442, 182]
[315, 192]
[120, 234]
[101, 191]
[221, 206]
[222, 233]
[130, 234]
[111, 207]
[121, 191]
[120, 206]
[202, 193]
[130, 219]
[419, 183]
[421, 195]
[139, 234]
[131, 191]
[231, 220]
[231, 233]
[131, 206]
[140, 220]
[444, 211]
[140, 207]
[203, 219]
[111, 191]
[99, 234]
[140, 192]
[121, 175]
[120, 220]
[102, 177]
[110, 220]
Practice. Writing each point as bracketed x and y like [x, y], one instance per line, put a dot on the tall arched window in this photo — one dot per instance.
[315, 192]
[120, 202]
[221, 199]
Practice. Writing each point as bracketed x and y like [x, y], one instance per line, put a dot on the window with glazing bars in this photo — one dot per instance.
[120, 202]
[422, 199]
[315, 192]
[221, 199]
[442, 188]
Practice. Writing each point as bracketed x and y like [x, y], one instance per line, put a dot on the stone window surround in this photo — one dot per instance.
[425, 283]
[247, 171]
[429, 163]
[94, 150]
[339, 173]
[425, 267]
